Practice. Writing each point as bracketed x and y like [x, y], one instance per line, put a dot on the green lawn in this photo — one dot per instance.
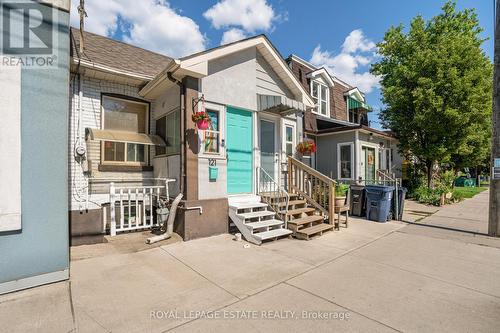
[467, 192]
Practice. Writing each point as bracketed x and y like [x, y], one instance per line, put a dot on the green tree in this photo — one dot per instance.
[436, 85]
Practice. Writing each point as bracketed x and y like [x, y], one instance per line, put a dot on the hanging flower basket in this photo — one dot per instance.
[307, 147]
[202, 120]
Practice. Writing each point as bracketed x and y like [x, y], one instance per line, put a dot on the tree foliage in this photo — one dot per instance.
[436, 85]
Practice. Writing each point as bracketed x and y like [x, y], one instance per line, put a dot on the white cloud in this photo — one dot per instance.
[232, 35]
[356, 41]
[152, 24]
[251, 15]
[242, 17]
[357, 51]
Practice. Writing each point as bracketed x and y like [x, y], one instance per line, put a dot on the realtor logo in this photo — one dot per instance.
[26, 28]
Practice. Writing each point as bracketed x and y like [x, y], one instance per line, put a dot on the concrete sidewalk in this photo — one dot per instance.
[470, 215]
[370, 277]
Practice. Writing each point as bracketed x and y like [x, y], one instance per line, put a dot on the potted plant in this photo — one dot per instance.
[306, 147]
[202, 120]
[340, 194]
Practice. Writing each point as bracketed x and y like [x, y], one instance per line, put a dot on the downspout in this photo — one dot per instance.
[169, 227]
[182, 129]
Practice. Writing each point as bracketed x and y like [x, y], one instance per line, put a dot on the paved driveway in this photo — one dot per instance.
[370, 277]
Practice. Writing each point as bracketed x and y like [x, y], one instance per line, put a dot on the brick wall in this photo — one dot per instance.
[298, 68]
[338, 103]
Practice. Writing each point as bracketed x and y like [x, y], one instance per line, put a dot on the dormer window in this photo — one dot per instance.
[320, 93]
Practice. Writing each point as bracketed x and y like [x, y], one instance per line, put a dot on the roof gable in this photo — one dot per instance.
[356, 94]
[197, 62]
[324, 74]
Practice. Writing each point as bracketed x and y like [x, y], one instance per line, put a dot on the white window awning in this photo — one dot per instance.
[279, 104]
[121, 136]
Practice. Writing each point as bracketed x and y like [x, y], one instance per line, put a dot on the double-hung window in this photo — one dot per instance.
[345, 156]
[289, 140]
[321, 96]
[128, 117]
[211, 136]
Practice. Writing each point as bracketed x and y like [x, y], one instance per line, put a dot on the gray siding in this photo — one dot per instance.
[327, 152]
[268, 82]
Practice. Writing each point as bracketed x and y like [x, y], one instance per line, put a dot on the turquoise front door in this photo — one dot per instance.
[239, 151]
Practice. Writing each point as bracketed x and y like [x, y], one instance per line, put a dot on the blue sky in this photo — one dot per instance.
[339, 35]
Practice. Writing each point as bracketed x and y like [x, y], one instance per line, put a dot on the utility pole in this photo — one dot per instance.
[494, 217]
[83, 15]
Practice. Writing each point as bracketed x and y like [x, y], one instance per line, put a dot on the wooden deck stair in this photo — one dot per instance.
[304, 220]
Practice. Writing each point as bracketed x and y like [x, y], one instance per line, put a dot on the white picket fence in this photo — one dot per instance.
[132, 207]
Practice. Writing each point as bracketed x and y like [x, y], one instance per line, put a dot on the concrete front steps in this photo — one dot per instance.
[256, 221]
[303, 220]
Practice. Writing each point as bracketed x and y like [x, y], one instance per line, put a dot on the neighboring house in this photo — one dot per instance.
[348, 149]
[34, 245]
[131, 128]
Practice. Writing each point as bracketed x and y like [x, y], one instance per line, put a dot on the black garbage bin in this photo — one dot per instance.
[378, 202]
[357, 200]
[401, 203]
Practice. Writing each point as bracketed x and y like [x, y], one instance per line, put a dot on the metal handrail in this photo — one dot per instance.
[385, 176]
[266, 183]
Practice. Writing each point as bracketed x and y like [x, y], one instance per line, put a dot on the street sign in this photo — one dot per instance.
[496, 169]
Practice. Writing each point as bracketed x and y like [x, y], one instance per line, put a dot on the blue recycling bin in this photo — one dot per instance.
[378, 202]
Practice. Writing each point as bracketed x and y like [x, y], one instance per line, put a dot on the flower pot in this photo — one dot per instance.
[339, 201]
[202, 124]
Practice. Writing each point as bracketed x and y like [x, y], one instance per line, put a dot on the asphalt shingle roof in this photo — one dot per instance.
[117, 55]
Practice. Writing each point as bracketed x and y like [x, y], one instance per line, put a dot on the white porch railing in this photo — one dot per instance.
[132, 207]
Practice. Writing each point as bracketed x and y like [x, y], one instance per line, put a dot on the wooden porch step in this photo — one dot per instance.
[252, 215]
[292, 203]
[318, 229]
[298, 211]
[272, 234]
[263, 224]
[306, 220]
[274, 195]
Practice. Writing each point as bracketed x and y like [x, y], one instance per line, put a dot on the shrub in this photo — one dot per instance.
[445, 181]
[457, 196]
[341, 190]
[426, 195]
